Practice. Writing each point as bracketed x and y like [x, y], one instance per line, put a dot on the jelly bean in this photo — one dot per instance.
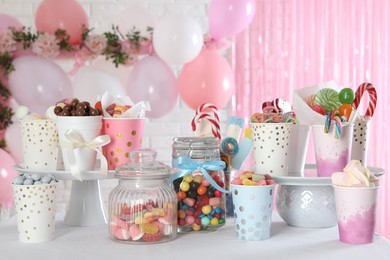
[205, 221]
[210, 192]
[218, 210]
[189, 201]
[202, 190]
[181, 213]
[212, 212]
[202, 215]
[203, 200]
[185, 206]
[217, 193]
[196, 227]
[189, 212]
[187, 178]
[221, 221]
[214, 221]
[190, 220]
[192, 194]
[184, 186]
[218, 215]
[194, 185]
[181, 222]
[181, 195]
[209, 216]
[205, 183]
[198, 221]
[206, 209]
[215, 201]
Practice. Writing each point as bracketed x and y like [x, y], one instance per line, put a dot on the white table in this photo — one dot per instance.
[285, 243]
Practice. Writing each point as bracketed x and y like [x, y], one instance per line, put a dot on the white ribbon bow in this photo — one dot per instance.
[74, 140]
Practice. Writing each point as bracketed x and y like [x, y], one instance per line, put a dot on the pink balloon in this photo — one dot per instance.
[13, 141]
[229, 17]
[9, 21]
[153, 80]
[208, 78]
[38, 83]
[7, 174]
[61, 14]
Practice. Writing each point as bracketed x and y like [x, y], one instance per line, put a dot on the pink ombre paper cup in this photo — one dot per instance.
[126, 135]
[332, 154]
[356, 212]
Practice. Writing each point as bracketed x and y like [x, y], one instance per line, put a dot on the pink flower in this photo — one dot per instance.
[46, 46]
[7, 42]
[96, 44]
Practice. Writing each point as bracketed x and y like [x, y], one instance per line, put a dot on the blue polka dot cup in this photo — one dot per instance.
[252, 211]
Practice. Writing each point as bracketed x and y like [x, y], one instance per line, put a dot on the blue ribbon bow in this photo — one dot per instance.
[188, 165]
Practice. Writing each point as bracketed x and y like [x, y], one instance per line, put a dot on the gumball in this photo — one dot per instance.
[319, 109]
[184, 186]
[202, 190]
[345, 110]
[346, 96]
[214, 221]
[217, 193]
[187, 178]
[196, 227]
[206, 209]
[181, 195]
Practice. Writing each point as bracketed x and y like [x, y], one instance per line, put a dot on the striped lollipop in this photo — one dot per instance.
[333, 115]
[373, 97]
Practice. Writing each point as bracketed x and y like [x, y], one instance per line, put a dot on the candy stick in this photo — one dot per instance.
[335, 116]
[211, 116]
[373, 97]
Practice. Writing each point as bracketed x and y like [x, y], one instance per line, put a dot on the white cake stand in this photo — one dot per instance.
[86, 207]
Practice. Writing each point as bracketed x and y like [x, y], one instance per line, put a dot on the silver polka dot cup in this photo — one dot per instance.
[253, 211]
[270, 146]
[35, 209]
[360, 140]
[126, 135]
[40, 144]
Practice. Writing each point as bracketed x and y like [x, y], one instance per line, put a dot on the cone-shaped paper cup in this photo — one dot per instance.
[40, 144]
[35, 208]
[126, 135]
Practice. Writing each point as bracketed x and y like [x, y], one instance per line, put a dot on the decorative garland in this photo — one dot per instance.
[120, 49]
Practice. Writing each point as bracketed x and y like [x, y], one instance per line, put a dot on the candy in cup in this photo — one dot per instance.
[356, 191]
[252, 199]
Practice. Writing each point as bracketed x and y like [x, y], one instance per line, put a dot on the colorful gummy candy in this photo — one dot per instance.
[249, 178]
[200, 205]
[148, 222]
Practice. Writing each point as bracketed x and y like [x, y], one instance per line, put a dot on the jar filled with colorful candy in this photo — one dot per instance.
[199, 183]
[142, 208]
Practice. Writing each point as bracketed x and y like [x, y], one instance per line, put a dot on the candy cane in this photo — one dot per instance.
[211, 116]
[373, 97]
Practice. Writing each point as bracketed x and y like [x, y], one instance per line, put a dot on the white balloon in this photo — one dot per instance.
[90, 85]
[13, 139]
[121, 72]
[177, 39]
[137, 17]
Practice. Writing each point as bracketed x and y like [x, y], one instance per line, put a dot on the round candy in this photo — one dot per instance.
[184, 186]
[214, 221]
[188, 178]
[181, 195]
[346, 96]
[201, 190]
[206, 209]
[328, 98]
[346, 110]
[229, 146]
[205, 221]
[195, 227]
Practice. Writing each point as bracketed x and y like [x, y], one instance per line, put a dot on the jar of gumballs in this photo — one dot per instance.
[142, 208]
[199, 183]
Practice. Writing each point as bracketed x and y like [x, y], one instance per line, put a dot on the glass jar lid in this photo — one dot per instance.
[195, 147]
[143, 165]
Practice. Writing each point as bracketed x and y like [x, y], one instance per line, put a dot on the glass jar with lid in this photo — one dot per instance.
[142, 208]
[199, 183]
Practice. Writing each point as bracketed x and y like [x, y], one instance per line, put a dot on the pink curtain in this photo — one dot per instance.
[294, 44]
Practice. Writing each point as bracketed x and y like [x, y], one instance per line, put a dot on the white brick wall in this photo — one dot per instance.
[101, 13]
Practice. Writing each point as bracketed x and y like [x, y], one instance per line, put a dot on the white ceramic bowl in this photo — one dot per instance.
[307, 206]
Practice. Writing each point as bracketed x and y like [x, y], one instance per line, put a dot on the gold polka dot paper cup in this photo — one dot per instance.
[270, 146]
[253, 211]
[35, 209]
[126, 135]
[40, 144]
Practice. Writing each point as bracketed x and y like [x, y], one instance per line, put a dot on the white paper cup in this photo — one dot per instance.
[356, 213]
[253, 211]
[360, 140]
[270, 145]
[332, 154]
[88, 127]
[297, 149]
[40, 144]
[35, 209]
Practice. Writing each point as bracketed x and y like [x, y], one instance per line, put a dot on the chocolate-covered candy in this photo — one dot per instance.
[65, 113]
[67, 108]
[74, 102]
[93, 112]
[81, 105]
[80, 112]
[57, 110]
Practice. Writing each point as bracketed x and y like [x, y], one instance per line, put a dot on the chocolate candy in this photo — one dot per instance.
[74, 107]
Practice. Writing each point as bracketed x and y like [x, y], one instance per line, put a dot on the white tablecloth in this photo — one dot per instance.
[285, 243]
